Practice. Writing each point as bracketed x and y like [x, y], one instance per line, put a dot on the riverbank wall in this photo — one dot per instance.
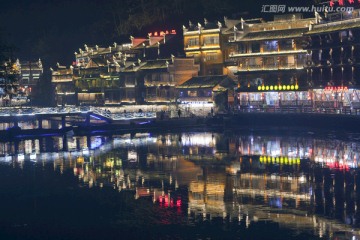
[308, 120]
[220, 122]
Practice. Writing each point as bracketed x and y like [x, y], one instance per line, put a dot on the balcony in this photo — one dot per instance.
[155, 83]
[210, 45]
[275, 66]
[266, 53]
[192, 47]
[235, 38]
[159, 99]
[56, 79]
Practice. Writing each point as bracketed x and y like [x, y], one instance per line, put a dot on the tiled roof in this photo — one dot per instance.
[275, 34]
[156, 64]
[207, 82]
[137, 42]
[333, 27]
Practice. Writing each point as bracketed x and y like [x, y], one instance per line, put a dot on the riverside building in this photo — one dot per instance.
[268, 60]
[297, 63]
[206, 43]
[62, 79]
[332, 65]
[134, 73]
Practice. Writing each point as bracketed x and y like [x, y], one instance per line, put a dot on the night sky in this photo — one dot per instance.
[54, 30]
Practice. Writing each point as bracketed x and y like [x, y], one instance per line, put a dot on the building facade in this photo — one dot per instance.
[62, 80]
[333, 63]
[206, 43]
[269, 56]
[132, 73]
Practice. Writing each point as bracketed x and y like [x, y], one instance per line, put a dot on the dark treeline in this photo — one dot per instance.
[53, 30]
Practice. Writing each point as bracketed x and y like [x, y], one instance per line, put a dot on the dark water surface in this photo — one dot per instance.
[203, 185]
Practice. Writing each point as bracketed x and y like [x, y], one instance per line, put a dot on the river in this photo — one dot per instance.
[248, 184]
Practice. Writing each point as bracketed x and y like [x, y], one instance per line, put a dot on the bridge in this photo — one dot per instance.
[64, 118]
[79, 115]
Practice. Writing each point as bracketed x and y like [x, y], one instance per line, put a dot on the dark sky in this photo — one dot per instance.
[53, 30]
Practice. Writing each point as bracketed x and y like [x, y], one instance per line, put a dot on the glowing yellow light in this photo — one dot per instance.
[298, 161]
[259, 88]
[267, 88]
[271, 88]
[296, 87]
[273, 159]
[80, 160]
[284, 87]
[288, 87]
[277, 159]
[263, 88]
[280, 87]
[292, 87]
[276, 88]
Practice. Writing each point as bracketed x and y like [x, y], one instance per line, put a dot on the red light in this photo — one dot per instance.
[155, 34]
[341, 2]
[178, 203]
[336, 165]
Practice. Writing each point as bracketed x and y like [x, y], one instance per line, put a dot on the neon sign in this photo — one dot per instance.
[279, 160]
[164, 201]
[339, 88]
[278, 88]
[162, 33]
[342, 2]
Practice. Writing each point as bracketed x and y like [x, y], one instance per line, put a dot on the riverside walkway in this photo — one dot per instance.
[68, 111]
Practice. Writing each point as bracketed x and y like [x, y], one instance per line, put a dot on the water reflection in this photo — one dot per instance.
[304, 183]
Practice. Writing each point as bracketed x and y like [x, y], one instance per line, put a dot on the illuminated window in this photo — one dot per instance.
[192, 93]
[193, 42]
[211, 40]
[211, 57]
[270, 46]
